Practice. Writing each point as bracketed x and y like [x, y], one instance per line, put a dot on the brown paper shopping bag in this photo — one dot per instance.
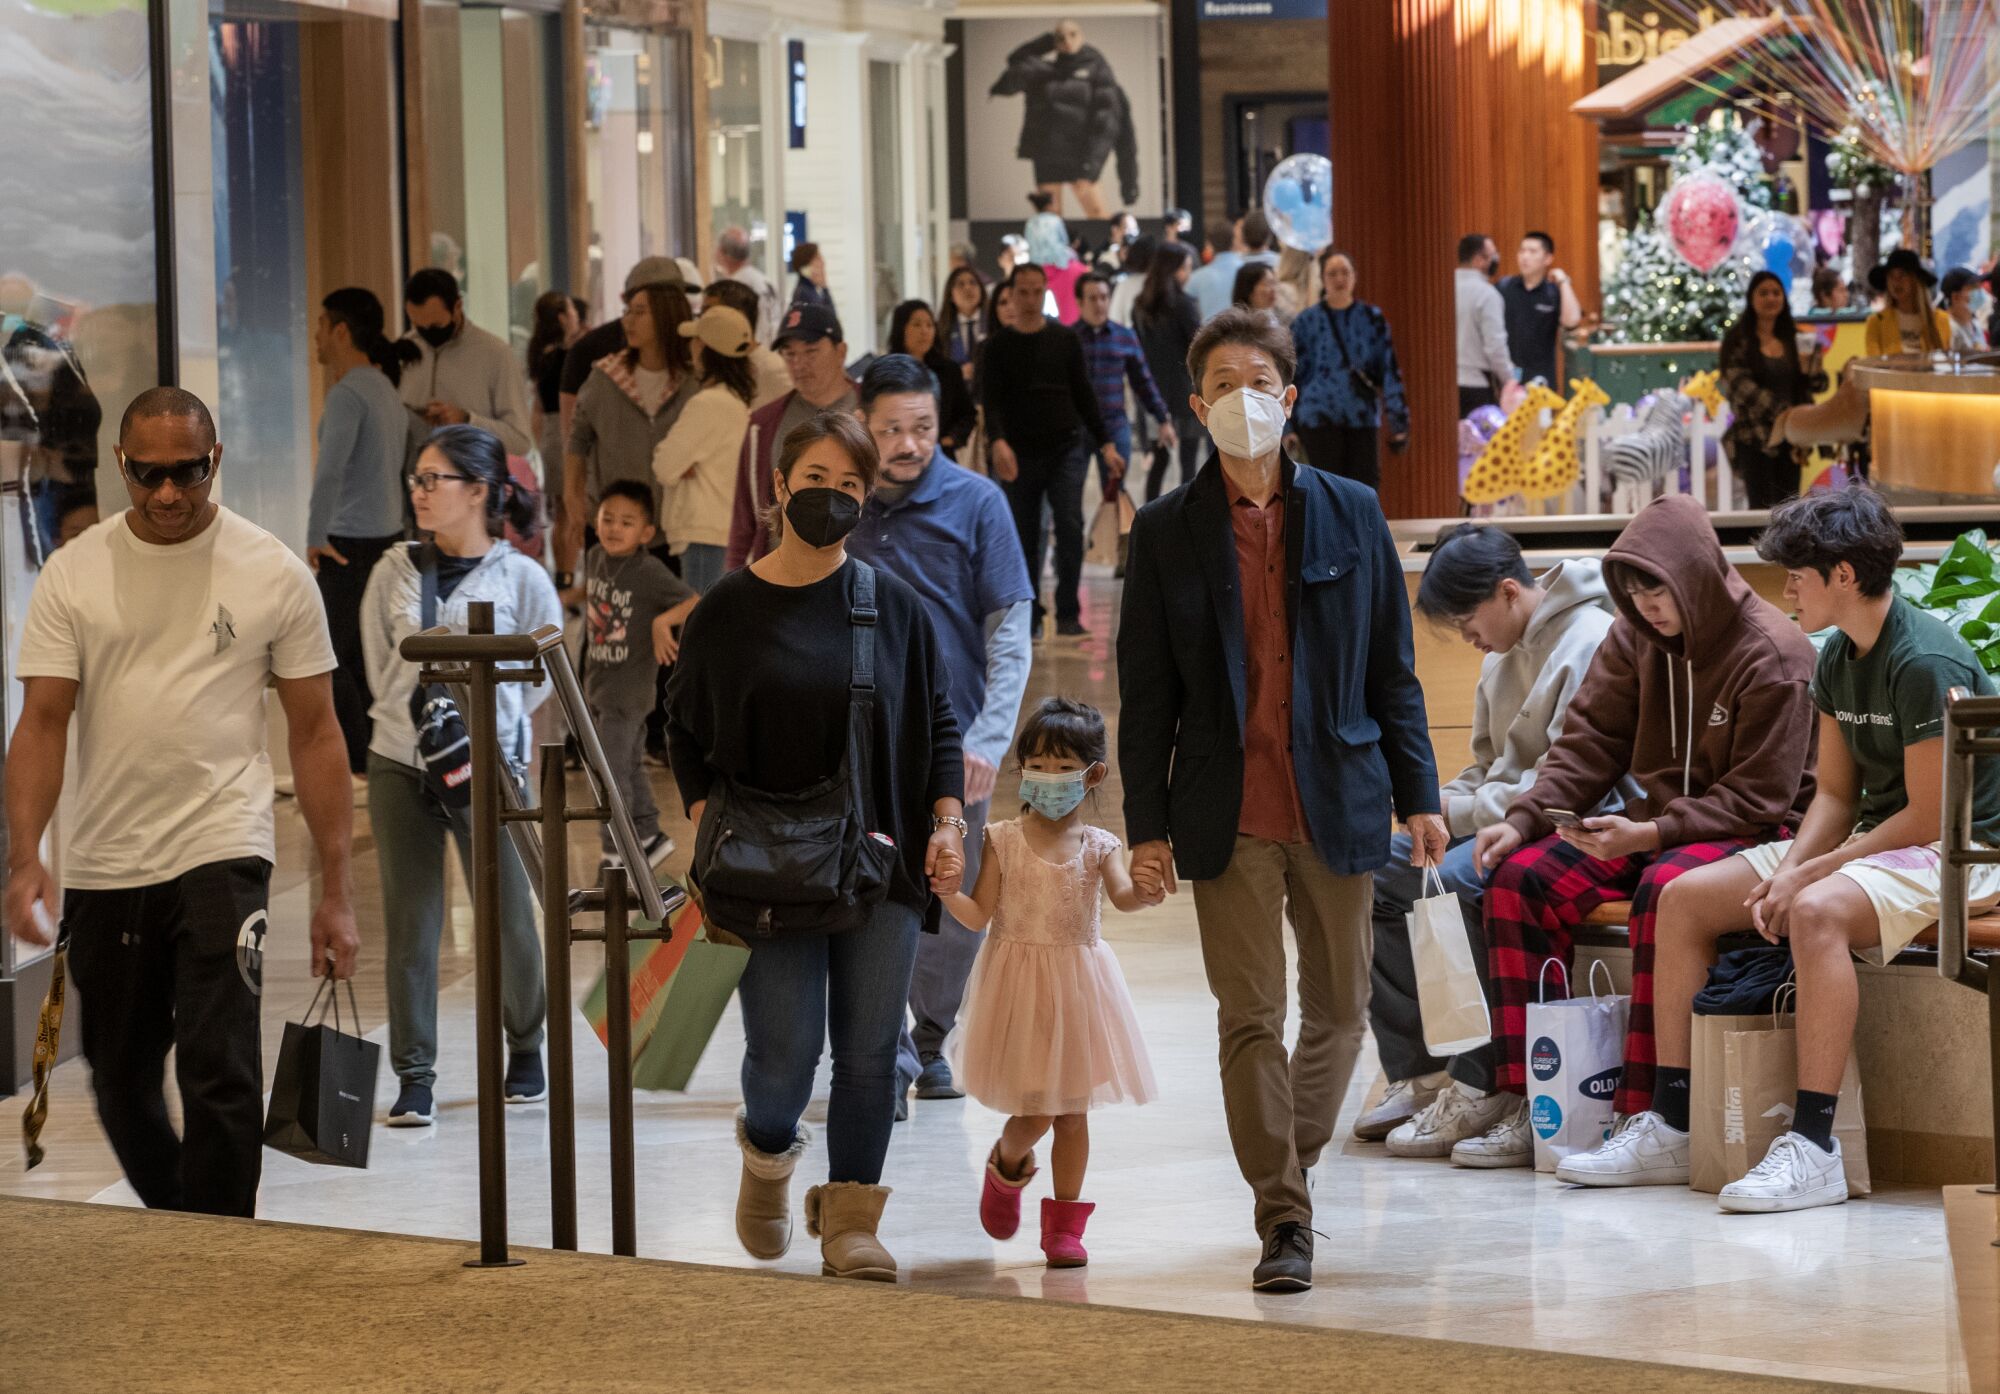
[1707, 1098]
[1761, 1084]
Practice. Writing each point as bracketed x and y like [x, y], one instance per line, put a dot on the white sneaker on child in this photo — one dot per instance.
[1794, 1175]
[1460, 1112]
[1643, 1151]
[1508, 1143]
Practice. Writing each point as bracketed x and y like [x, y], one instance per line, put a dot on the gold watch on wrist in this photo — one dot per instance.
[946, 820]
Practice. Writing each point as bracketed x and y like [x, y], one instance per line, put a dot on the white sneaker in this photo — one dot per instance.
[1457, 1114]
[1794, 1175]
[1406, 1098]
[657, 848]
[1643, 1151]
[1508, 1143]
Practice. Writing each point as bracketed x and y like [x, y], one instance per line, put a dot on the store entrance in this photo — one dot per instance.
[305, 186]
[638, 154]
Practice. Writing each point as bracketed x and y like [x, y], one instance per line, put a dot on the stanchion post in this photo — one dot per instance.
[556, 946]
[482, 724]
[618, 1016]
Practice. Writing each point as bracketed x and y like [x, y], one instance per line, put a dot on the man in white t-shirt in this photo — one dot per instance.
[161, 629]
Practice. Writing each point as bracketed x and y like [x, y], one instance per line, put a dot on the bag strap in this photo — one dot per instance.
[861, 618]
[424, 554]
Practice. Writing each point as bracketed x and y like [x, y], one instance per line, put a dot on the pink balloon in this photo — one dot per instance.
[1702, 220]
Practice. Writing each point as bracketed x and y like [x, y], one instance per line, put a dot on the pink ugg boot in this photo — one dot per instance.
[1062, 1232]
[1000, 1200]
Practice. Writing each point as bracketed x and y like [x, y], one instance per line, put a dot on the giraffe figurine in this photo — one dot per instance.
[1556, 465]
[1497, 472]
[1706, 387]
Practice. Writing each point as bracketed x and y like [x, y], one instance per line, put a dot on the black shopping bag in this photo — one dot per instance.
[323, 1094]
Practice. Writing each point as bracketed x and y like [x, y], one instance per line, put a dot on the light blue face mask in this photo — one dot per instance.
[1054, 796]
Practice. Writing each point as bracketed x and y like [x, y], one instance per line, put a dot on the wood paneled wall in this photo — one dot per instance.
[1393, 97]
[347, 100]
[1525, 162]
[1452, 116]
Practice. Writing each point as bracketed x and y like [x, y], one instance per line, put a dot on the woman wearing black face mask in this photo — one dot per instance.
[760, 699]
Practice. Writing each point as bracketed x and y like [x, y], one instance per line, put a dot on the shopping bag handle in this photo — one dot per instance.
[1542, 978]
[1788, 991]
[1596, 966]
[333, 1000]
[1432, 878]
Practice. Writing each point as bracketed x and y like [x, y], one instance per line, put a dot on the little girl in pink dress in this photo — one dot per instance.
[1047, 1032]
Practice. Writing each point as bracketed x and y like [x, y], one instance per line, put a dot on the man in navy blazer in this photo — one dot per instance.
[1270, 720]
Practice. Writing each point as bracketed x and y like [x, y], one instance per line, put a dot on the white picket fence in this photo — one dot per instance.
[1714, 485]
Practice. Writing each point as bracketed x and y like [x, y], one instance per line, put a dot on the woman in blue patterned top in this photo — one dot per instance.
[1347, 379]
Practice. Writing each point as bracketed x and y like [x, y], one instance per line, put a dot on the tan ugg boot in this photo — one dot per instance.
[843, 1215]
[764, 1196]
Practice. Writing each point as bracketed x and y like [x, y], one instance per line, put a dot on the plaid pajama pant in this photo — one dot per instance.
[1535, 901]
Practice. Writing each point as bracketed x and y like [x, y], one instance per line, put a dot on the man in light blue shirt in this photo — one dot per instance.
[1214, 285]
[358, 493]
[1210, 285]
[950, 534]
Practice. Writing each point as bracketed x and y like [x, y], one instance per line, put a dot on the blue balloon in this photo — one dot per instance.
[1778, 255]
[1287, 197]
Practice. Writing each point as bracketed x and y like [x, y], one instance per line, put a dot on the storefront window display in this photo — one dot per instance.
[638, 153]
[492, 109]
[736, 133]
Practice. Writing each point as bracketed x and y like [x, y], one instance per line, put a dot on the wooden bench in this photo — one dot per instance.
[1605, 927]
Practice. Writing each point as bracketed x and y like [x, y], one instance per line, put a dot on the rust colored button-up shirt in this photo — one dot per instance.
[1271, 805]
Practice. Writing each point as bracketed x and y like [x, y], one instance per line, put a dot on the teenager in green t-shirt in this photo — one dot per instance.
[1861, 877]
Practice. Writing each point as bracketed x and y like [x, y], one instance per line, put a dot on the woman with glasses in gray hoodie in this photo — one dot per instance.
[463, 499]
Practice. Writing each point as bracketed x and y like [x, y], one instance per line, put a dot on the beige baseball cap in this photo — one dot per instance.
[721, 330]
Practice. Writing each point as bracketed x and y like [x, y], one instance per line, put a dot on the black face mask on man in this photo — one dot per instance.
[437, 335]
[822, 517]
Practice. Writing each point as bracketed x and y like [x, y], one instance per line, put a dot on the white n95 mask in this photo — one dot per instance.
[1246, 423]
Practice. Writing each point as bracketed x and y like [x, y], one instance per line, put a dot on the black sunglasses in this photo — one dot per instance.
[182, 474]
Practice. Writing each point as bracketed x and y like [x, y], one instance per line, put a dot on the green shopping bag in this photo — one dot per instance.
[679, 990]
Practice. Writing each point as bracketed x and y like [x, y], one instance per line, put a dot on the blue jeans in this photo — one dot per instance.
[702, 565]
[1392, 1007]
[795, 994]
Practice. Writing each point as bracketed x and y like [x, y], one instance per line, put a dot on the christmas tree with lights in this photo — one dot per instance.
[1654, 296]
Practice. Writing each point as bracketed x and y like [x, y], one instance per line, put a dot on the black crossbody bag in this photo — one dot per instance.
[1365, 384]
[769, 865]
[443, 743]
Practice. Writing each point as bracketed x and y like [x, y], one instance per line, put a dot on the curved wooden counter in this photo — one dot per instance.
[1936, 427]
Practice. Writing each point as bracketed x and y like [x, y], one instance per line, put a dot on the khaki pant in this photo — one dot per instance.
[1281, 1108]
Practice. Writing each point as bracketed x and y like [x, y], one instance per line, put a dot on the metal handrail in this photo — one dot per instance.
[469, 666]
[545, 656]
[1964, 716]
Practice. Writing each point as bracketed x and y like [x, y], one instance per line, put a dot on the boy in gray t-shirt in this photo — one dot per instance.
[632, 605]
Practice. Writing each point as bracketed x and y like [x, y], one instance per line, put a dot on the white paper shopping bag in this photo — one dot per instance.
[1449, 994]
[1576, 1054]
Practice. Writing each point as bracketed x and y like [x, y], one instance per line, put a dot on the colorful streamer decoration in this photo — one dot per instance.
[1915, 78]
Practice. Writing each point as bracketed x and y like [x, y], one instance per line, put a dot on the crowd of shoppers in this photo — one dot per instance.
[750, 521]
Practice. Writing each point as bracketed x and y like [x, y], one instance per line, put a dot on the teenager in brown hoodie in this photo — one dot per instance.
[1700, 693]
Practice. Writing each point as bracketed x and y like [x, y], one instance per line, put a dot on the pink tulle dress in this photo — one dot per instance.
[1047, 1027]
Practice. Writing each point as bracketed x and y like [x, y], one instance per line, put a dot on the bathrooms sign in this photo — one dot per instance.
[1263, 9]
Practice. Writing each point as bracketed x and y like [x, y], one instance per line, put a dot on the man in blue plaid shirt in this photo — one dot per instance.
[1112, 353]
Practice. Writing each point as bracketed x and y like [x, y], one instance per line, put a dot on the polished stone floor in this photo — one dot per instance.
[1858, 1293]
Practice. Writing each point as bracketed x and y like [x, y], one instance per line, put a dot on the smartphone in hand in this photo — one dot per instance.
[1562, 818]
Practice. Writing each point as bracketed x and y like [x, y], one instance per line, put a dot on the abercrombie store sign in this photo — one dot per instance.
[1631, 32]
